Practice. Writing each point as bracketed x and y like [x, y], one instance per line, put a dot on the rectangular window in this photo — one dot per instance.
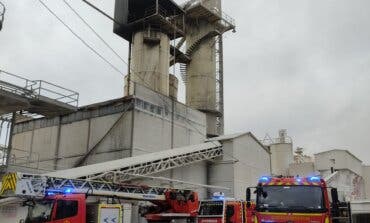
[66, 209]
[159, 110]
[139, 103]
[152, 108]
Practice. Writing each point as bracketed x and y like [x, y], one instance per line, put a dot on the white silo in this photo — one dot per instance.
[281, 154]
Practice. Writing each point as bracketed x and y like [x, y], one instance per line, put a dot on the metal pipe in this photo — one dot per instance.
[12, 124]
[1, 128]
[2, 15]
[7, 133]
[129, 68]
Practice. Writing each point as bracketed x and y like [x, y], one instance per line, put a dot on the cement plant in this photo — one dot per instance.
[147, 157]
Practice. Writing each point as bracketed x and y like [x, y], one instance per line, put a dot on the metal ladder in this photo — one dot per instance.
[30, 186]
[344, 214]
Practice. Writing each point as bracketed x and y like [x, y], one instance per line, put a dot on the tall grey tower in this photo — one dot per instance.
[149, 25]
[205, 26]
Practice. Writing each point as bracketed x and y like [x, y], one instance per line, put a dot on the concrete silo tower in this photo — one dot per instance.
[203, 75]
[149, 25]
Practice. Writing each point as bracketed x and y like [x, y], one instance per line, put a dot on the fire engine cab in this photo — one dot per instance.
[223, 210]
[296, 200]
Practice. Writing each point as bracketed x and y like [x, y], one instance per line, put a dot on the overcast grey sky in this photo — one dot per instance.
[303, 65]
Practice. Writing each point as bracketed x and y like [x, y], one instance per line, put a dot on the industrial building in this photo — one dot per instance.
[149, 118]
[52, 133]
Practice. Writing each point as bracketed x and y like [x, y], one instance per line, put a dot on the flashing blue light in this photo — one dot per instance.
[68, 191]
[314, 179]
[299, 180]
[218, 198]
[264, 179]
[50, 193]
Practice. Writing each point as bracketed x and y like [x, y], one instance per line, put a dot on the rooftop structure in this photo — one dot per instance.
[338, 159]
[164, 16]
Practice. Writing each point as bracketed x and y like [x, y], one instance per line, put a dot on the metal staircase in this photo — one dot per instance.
[191, 49]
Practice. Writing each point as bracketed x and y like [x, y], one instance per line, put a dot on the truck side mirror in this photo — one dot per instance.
[335, 202]
[334, 195]
[248, 197]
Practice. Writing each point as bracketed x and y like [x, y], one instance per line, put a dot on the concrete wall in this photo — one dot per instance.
[281, 157]
[150, 61]
[254, 162]
[339, 159]
[146, 127]
[244, 162]
[61, 146]
[350, 185]
[221, 172]
[366, 176]
[12, 213]
[301, 169]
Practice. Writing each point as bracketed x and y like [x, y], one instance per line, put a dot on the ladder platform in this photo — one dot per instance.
[199, 10]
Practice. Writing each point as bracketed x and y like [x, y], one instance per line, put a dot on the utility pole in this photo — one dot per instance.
[2, 14]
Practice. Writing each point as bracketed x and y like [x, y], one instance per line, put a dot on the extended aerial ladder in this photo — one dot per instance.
[110, 178]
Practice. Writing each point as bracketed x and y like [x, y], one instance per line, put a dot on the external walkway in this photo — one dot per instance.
[36, 97]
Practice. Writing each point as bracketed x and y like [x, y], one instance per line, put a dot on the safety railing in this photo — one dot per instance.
[226, 20]
[171, 18]
[37, 88]
[55, 92]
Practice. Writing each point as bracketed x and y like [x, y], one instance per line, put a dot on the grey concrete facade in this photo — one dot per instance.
[150, 60]
[107, 131]
[338, 159]
[244, 162]
[366, 176]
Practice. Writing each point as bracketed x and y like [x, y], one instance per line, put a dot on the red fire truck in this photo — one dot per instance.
[75, 208]
[296, 200]
[59, 200]
[224, 210]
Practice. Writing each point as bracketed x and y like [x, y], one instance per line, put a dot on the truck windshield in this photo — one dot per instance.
[40, 212]
[211, 208]
[291, 199]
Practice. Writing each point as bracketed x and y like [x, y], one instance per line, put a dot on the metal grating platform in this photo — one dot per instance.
[39, 97]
